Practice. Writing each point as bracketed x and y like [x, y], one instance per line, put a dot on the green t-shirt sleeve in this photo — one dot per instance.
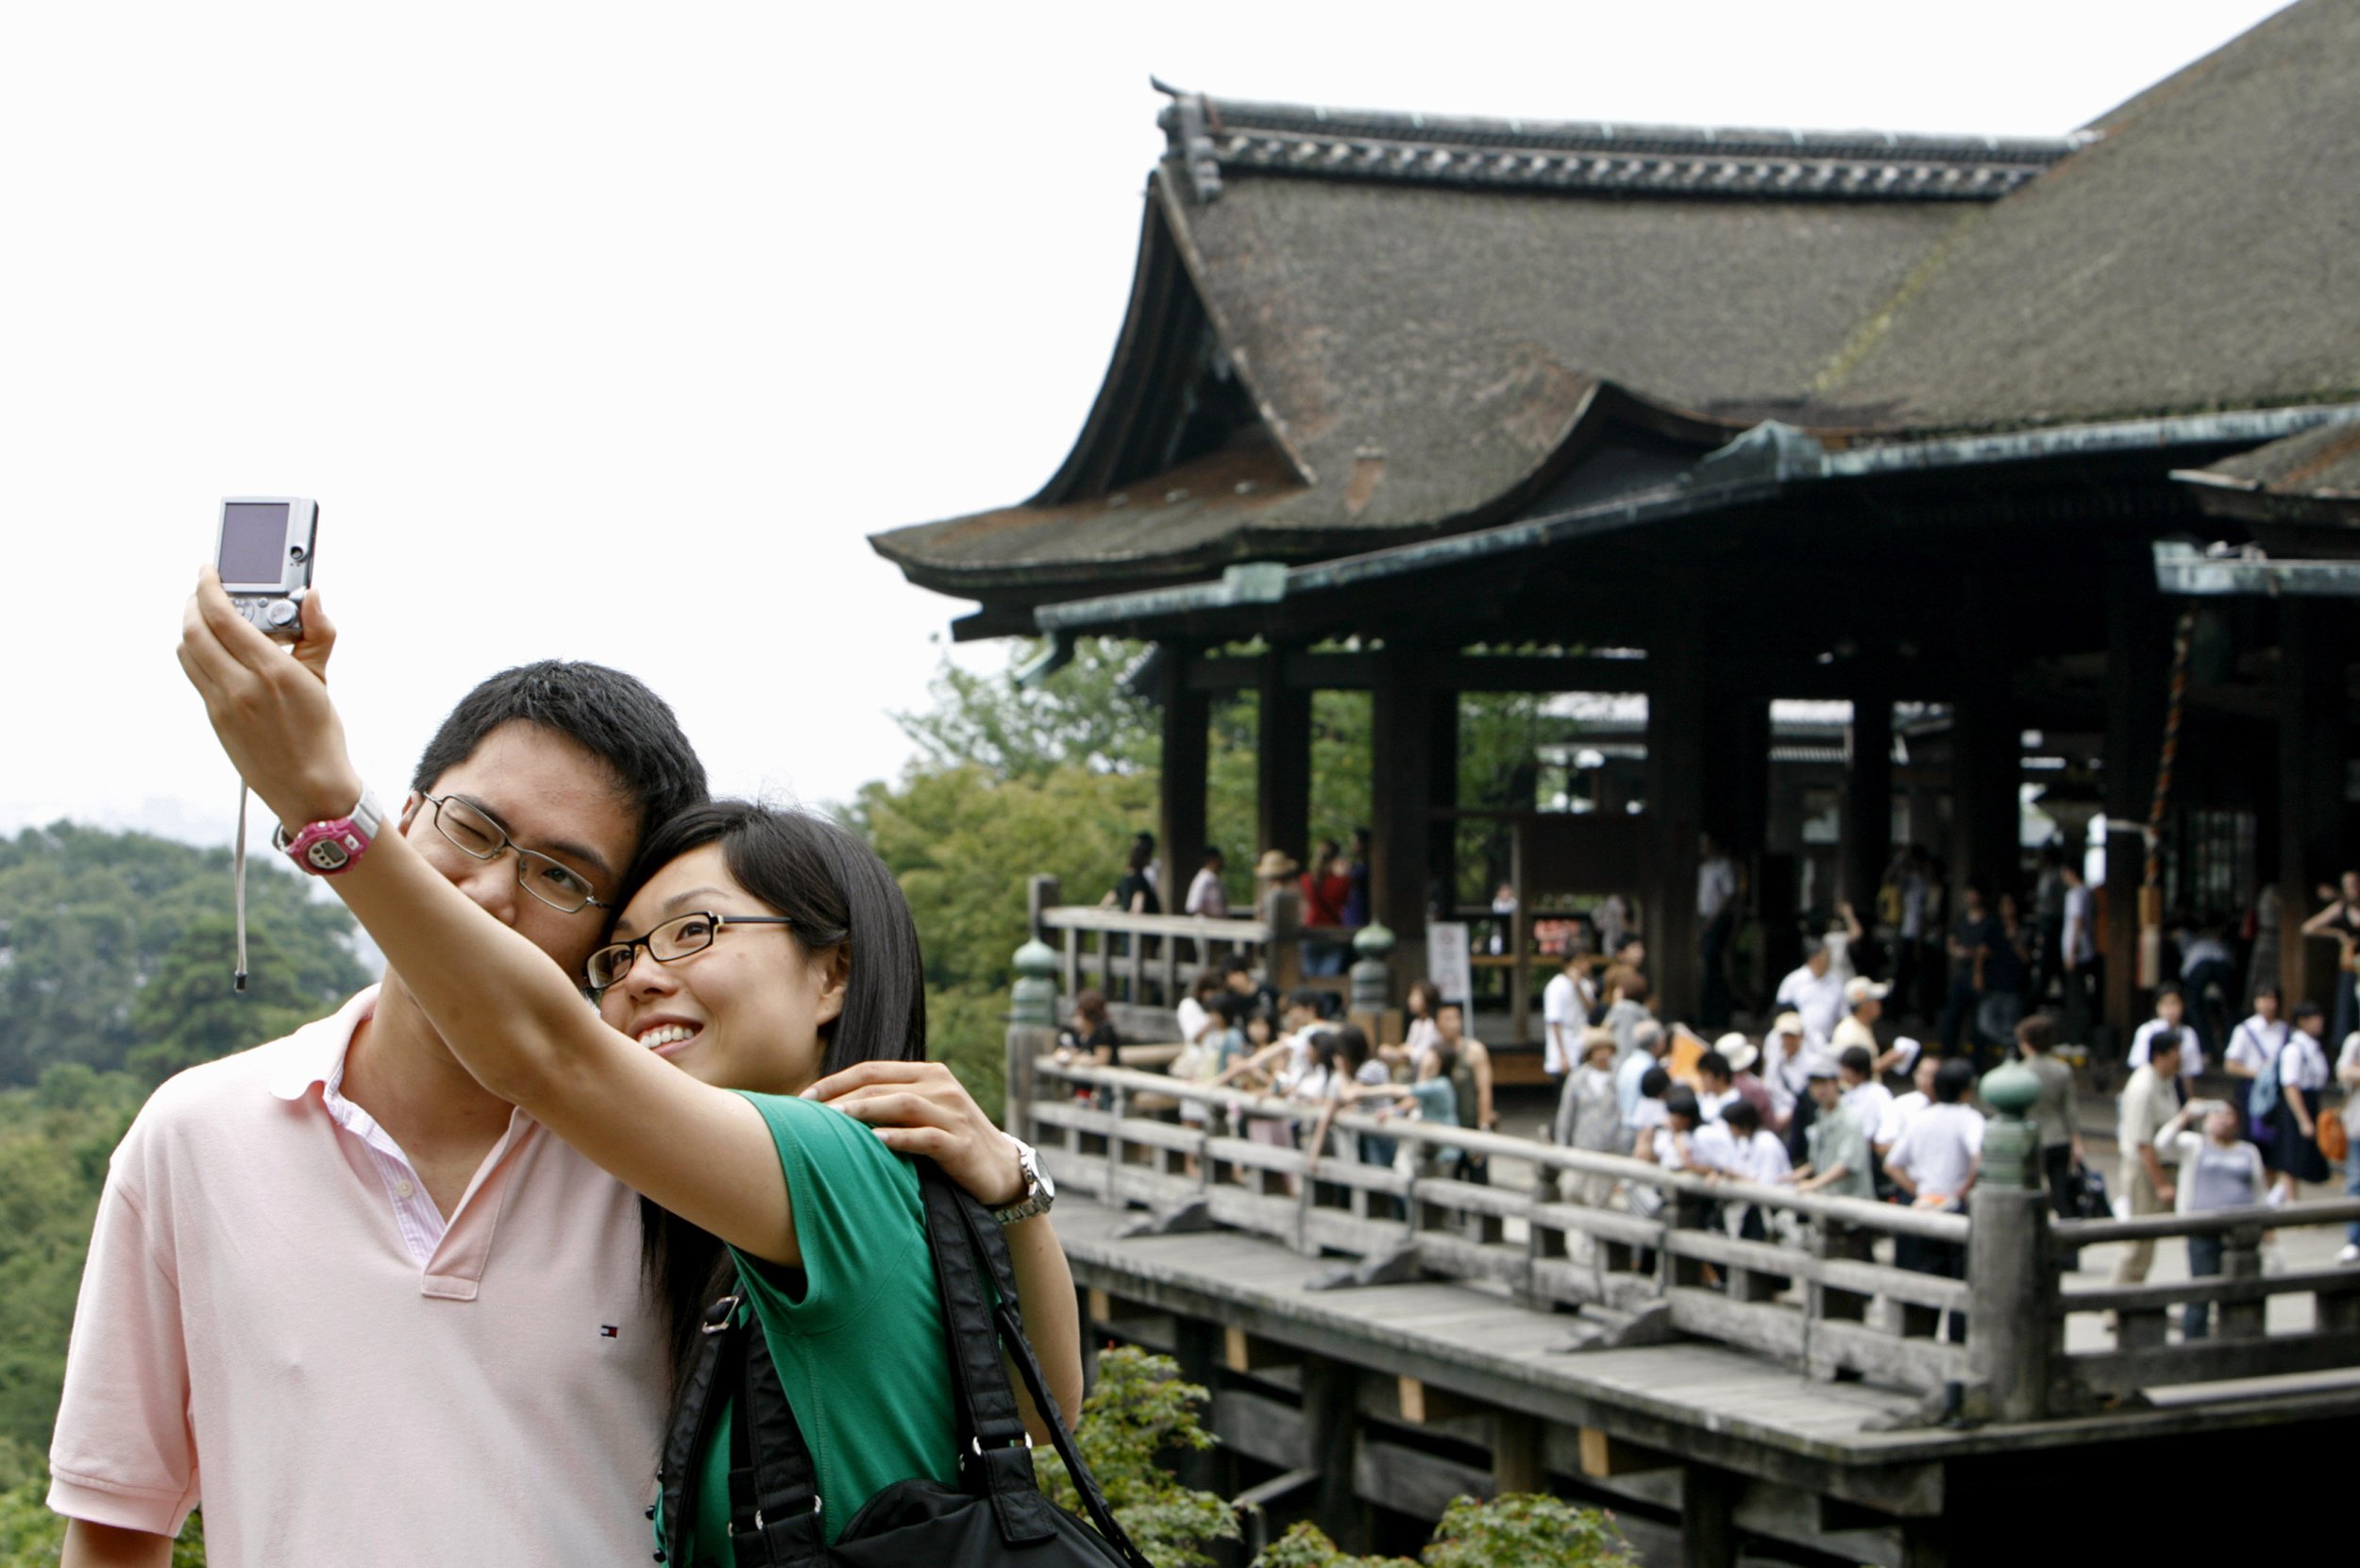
[858, 1216]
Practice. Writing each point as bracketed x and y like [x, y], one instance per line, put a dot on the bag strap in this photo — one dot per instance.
[701, 1399]
[774, 1492]
[967, 1241]
[1000, 1454]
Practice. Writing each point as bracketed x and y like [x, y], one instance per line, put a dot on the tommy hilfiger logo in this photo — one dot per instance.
[608, 1331]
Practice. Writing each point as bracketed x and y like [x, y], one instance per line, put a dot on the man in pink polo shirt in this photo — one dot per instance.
[364, 1312]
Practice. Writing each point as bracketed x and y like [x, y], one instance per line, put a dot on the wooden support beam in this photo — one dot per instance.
[1676, 718]
[1987, 757]
[1242, 1352]
[1516, 1453]
[1605, 1456]
[1282, 761]
[1400, 813]
[2315, 647]
[1188, 714]
[1331, 1435]
[1442, 790]
[2138, 665]
[1421, 1403]
[1868, 791]
[1708, 1523]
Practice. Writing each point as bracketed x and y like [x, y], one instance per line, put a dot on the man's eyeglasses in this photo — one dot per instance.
[675, 939]
[476, 835]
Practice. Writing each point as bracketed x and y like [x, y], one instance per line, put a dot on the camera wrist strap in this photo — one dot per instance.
[237, 886]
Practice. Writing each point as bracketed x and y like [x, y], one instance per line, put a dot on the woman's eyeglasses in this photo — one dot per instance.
[474, 834]
[675, 939]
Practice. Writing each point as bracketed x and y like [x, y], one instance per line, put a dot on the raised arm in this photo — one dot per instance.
[510, 1015]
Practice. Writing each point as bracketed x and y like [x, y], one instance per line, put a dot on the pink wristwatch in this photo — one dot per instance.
[326, 848]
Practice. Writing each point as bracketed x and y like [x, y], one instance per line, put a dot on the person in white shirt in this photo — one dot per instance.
[2255, 1043]
[1934, 1165]
[1650, 1044]
[2218, 1170]
[1815, 993]
[1611, 915]
[1869, 1101]
[2171, 1011]
[2077, 948]
[1903, 1108]
[1195, 1014]
[1206, 896]
[1739, 1147]
[2348, 1075]
[1566, 1004]
[2302, 1074]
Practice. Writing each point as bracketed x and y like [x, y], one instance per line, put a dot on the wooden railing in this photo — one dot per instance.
[1826, 1295]
[2240, 1341]
[1677, 1271]
[1152, 960]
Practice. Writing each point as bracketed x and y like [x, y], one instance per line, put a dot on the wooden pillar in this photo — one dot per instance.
[1331, 1438]
[1737, 785]
[1868, 800]
[2138, 665]
[1187, 716]
[2315, 646]
[1442, 793]
[1677, 717]
[1282, 760]
[1986, 770]
[1708, 1525]
[1400, 813]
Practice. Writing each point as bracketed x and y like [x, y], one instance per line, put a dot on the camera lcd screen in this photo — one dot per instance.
[253, 543]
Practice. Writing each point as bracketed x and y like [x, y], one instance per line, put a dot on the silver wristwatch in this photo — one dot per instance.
[1040, 1191]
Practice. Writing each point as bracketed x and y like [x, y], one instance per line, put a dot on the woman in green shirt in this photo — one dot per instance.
[758, 958]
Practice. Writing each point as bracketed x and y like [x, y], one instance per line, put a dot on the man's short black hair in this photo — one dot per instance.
[1654, 1082]
[1953, 1079]
[2170, 988]
[1713, 1064]
[612, 716]
[1235, 964]
[1681, 1101]
[2306, 1010]
[1308, 996]
[1742, 1117]
[1857, 1059]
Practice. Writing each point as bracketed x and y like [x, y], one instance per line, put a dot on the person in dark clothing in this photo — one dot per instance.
[1972, 938]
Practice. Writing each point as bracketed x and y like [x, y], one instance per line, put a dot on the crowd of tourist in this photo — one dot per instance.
[1829, 1098]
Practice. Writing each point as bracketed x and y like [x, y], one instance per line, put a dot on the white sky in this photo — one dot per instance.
[611, 332]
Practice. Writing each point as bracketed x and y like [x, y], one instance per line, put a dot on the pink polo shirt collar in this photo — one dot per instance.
[450, 1252]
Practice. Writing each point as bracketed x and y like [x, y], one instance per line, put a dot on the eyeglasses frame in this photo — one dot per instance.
[721, 922]
[524, 855]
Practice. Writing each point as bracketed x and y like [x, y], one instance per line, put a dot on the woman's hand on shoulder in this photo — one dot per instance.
[920, 1108]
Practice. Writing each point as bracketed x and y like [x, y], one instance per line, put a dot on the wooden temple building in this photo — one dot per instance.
[1431, 406]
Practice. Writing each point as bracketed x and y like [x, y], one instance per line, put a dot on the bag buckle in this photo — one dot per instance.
[719, 1315]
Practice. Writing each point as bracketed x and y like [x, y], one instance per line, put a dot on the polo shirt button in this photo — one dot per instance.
[404, 1190]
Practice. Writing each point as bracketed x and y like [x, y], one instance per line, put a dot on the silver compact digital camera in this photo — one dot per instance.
[264, 558]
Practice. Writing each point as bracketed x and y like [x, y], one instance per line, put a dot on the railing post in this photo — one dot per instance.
[1372, 980]
[1282, 956]
[1042, 893]
[1032, 1025]
[2011, 1323]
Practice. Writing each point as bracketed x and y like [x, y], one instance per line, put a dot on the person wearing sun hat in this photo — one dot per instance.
[1740, 1056]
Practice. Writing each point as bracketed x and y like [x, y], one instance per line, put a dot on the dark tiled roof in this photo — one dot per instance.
[1429, 326]
[2311, 478]
[2204, 254]
[1212, 138]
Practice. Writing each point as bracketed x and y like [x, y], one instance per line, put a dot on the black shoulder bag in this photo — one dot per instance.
[996, 1516]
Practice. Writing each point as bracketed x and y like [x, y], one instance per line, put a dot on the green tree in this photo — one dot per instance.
[1137, 1418]
[89, 918]
[1081, 717]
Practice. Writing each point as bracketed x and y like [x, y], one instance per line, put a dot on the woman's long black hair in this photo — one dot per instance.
[835, 890]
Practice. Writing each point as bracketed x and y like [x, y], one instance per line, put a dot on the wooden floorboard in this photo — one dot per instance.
[1482, 1332]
